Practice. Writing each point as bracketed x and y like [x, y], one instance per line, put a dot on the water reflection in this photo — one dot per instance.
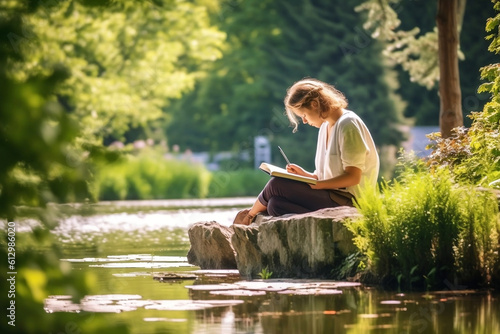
[360, 311]
[144, 281]
[223, 303]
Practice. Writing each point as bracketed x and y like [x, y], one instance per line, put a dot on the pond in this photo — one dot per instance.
[137, 251]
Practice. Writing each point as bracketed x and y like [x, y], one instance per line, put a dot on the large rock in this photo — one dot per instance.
[211, 246]
[305, 245]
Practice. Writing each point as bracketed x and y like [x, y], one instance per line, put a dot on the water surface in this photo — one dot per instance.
[137, 252]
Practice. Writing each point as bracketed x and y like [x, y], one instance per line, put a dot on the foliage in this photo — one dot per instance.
[241, 182]
[485, 132]
[416, 54]
[473, 155]
[433, 223]
[265, 273]
[350, 266]
[451, 151]
[127, 61]
[423, 230]
[151, 176]
[409, 29]
[41, 163]
[72, 73]
[273, 45]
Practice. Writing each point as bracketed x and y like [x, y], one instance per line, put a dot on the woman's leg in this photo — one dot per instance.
[246, 216]
[257, 208]
[278, 206]
[281, 196]
[300, 197]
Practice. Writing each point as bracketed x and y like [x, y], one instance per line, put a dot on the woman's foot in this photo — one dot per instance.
[243, 217]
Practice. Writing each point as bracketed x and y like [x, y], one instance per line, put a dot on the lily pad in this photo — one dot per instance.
[173, 276]
[142, 265]
[189, 305]
[238, 293]
[390, 302]
[311, 292]
[213, 287]
[164, 319]
[266, 286]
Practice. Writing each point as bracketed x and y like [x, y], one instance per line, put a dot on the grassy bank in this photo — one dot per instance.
[244, 182]
[423, 231]
[154, 177]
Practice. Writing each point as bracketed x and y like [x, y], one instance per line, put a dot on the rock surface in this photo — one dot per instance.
[306, 245]
[211, 246]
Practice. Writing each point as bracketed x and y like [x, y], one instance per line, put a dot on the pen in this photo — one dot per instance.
[284, 155]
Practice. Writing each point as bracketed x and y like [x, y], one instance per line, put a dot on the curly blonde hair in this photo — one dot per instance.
[303, 92]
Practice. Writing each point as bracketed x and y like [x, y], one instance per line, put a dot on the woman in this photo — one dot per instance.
[346, 156]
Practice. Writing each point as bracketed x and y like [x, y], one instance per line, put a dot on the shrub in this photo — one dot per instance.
[242, 182]
[423, 230]
[473, 157]
[151, 177]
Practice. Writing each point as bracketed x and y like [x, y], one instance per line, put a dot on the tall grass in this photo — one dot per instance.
[243, 182]
[151, 177]
[424, 231]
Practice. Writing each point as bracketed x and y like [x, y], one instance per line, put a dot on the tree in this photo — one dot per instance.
[423, 101]
[127, 61]
[271, 45]
[36, 134]
[473, 155]
[72, 73]
[40, 164]
[450, 113]
[427, 58]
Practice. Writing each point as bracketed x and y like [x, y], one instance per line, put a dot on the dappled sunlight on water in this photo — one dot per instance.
[126, 303]
[135, 261]
[143, 280]
[219, 301]
[142, 226]
[148, 221]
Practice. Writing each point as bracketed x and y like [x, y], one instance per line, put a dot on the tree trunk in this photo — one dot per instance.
[450, 113]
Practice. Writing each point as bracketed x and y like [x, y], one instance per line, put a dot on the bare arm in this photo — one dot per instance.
[351, 177]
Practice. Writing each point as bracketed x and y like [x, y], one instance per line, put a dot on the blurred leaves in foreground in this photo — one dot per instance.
[73, 73]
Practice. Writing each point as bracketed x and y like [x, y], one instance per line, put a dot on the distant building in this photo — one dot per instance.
[417, 140]
[262, 150]
[213, 161]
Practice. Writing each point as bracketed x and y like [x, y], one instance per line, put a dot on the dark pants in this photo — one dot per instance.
[282, 196]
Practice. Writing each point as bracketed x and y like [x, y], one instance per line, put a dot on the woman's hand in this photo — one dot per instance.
[296, 169]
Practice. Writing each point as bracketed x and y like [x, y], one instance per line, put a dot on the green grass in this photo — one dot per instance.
[423, 230]
[244, 182]
[153, 177]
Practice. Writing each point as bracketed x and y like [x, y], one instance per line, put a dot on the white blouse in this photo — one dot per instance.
[350, 144]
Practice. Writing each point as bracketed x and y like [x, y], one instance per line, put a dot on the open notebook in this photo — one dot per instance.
[280, 172]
